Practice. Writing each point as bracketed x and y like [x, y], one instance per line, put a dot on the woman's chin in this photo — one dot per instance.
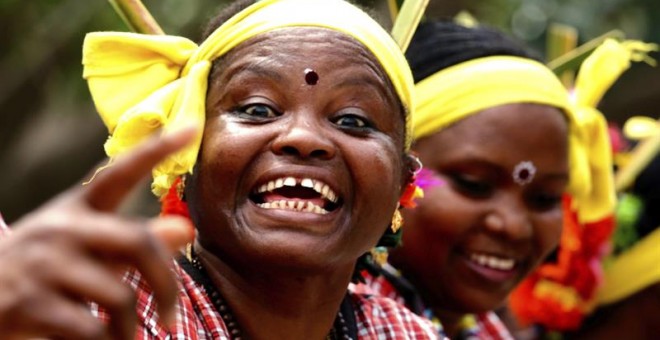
[478, 301]
[287, 239]
[294, 249]
[462, 297]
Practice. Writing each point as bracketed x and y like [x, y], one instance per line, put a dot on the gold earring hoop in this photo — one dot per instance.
[397, 221]
[416, 165]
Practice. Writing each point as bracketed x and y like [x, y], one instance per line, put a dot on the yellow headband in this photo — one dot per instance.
[462, 90]
[465, 89]
[141, 83]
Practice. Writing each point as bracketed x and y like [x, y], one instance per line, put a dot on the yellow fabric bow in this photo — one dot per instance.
[465, 89]
[142, 83]
[592, 182]
[633, 271]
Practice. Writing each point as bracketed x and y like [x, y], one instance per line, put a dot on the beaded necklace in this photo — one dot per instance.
[341, 329]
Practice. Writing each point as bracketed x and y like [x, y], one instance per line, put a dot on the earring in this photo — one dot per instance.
[180, 186]
[397, 221]
[412, 191]
[417, 165]
[379, 255]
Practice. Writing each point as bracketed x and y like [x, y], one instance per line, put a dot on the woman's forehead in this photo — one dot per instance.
[508, 131]
[298, 42]
[322, 50]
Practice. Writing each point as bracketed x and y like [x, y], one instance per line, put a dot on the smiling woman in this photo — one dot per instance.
[294, 170]
[498, 128]
[333, 136]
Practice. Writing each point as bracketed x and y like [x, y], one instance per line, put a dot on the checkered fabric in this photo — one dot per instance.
[489, 325]
[377, 317]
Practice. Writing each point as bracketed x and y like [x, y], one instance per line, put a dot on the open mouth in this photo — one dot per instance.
[296, 194]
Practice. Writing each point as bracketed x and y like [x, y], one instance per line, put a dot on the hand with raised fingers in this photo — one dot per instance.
[73, 249]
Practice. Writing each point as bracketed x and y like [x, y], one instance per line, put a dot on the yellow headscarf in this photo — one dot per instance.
[465, 89]
[141, 83]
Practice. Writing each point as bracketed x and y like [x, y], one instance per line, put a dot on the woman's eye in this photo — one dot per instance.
[472, 187]
[352, 122]
[544, 201]
[257, 111]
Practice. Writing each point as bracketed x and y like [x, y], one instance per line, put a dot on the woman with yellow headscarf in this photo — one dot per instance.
[507, 151]
[296, 114]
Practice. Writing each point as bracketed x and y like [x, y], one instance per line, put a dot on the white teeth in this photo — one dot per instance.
[304, 206]
[318, 186]
[307, 183]
[507, 263]
[493, 262]
[290, 182]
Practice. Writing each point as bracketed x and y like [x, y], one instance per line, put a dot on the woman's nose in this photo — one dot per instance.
[304, 138]
[510, 218]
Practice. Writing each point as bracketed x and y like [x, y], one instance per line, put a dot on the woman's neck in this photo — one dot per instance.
[272, 304]
[452, 322]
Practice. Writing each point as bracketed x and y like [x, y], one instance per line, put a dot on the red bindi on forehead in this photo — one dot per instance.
[311, 77]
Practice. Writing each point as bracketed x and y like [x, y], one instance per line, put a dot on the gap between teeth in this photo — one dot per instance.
[304, 206]
[321, 188]
[493, 262]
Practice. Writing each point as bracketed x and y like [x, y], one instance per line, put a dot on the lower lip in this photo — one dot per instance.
[490, 274]
[300, 217]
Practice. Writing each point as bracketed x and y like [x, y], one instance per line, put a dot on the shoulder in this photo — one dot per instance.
[383, 318]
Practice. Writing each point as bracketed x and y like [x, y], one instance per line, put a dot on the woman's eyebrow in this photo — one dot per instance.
[256, 69]
[360, 81]
[365, 82]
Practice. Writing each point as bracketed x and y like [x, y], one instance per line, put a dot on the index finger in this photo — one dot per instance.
[110, 187]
